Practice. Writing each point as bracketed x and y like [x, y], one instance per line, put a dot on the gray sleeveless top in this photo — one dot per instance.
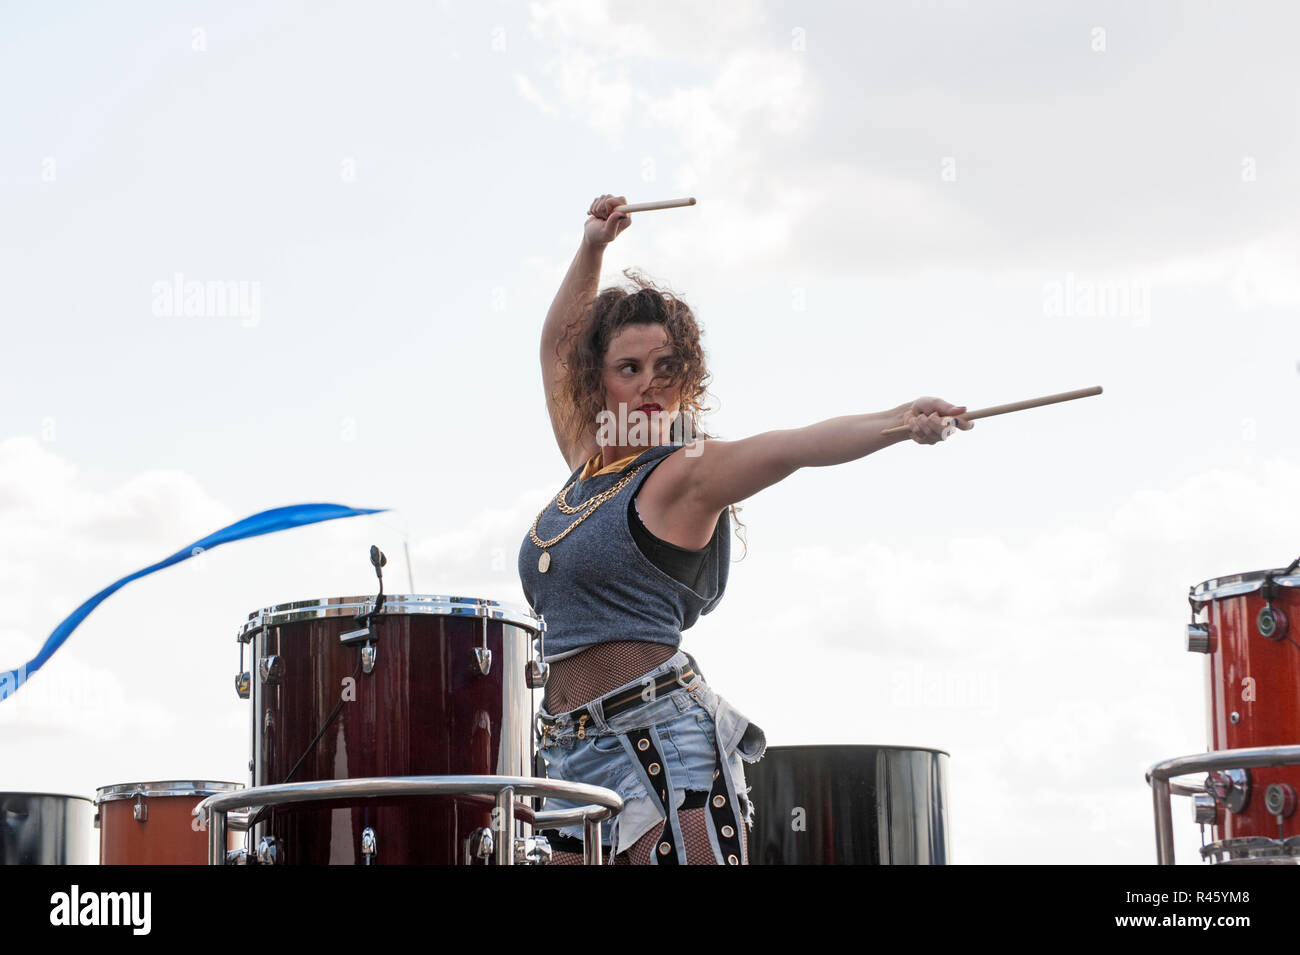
[599, 586]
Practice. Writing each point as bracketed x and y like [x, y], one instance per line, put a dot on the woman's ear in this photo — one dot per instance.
[685, 428]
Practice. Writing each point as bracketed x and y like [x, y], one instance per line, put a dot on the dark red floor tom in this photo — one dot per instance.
[423, 686]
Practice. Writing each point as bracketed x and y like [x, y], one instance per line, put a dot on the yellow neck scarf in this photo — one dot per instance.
[593, 467]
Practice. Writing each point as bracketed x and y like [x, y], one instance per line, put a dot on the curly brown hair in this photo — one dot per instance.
[582, 349]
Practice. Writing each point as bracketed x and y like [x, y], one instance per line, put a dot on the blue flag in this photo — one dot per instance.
[265, 522]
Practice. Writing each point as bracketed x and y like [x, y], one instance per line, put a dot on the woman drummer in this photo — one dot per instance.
[637, 545]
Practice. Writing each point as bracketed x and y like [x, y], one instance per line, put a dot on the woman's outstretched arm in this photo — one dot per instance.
[720, 473]
[579, 287]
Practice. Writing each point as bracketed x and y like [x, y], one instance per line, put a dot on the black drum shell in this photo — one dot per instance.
[849, 805]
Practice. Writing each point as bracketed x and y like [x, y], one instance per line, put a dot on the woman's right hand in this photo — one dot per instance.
[603, 224]
[931, 420]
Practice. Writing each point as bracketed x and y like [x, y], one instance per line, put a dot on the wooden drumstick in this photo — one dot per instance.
[1013, 406]
[647, 206]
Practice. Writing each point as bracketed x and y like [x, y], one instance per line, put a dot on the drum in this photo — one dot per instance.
[418, 686]
[1250, 634]
[849, 805]
[153, 823]
[46, 829]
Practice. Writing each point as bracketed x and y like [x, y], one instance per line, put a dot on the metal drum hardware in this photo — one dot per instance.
[1240, 623]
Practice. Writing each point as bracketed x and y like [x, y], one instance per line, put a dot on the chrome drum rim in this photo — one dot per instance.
[397, 604]
[1234, 585]
[177, 787]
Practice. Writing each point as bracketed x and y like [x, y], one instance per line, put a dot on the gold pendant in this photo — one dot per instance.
[544, 562]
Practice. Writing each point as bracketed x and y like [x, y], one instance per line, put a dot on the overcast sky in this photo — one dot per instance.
[983, 202]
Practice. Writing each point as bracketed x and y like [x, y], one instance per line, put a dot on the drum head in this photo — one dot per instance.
[393, 604]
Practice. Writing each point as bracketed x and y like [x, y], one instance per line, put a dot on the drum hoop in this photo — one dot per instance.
[174, 787]
[1234, 585]
[405, 604]
[808, 747]
[41, 795]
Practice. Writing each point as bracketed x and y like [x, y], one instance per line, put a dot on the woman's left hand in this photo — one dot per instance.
[933, 419]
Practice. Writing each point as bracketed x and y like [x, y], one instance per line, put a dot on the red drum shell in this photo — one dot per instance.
[166, 835]
[1242, 664]
[424, 710]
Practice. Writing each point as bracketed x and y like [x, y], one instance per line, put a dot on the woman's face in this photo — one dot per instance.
[638, 367]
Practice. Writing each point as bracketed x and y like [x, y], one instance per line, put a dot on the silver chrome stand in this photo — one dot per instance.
[591, 850]
[605, 803]
[1160, 777]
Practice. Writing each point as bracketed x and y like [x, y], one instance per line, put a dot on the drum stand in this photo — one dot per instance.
[1254, 849]
[499, 841]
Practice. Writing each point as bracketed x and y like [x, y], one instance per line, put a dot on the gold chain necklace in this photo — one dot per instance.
[568, 508]
[544, 562]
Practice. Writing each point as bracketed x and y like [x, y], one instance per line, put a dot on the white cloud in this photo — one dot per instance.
[619, 30]
[1095, 157]
[78, 700]
[530, 93]
[734, 88]
[40, 491]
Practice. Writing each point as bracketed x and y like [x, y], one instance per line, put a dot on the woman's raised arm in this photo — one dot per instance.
[577, 290]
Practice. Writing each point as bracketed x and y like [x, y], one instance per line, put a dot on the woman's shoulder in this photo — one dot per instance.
[671, 460]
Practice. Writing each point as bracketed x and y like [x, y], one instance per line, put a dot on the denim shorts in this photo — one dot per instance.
[687, 721]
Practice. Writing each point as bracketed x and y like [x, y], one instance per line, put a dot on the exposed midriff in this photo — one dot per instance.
[599, 670]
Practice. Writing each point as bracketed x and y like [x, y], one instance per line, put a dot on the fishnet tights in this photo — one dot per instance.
[599, 670]
[695, 835]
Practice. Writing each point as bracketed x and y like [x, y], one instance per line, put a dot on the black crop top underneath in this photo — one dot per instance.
[677, 562]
